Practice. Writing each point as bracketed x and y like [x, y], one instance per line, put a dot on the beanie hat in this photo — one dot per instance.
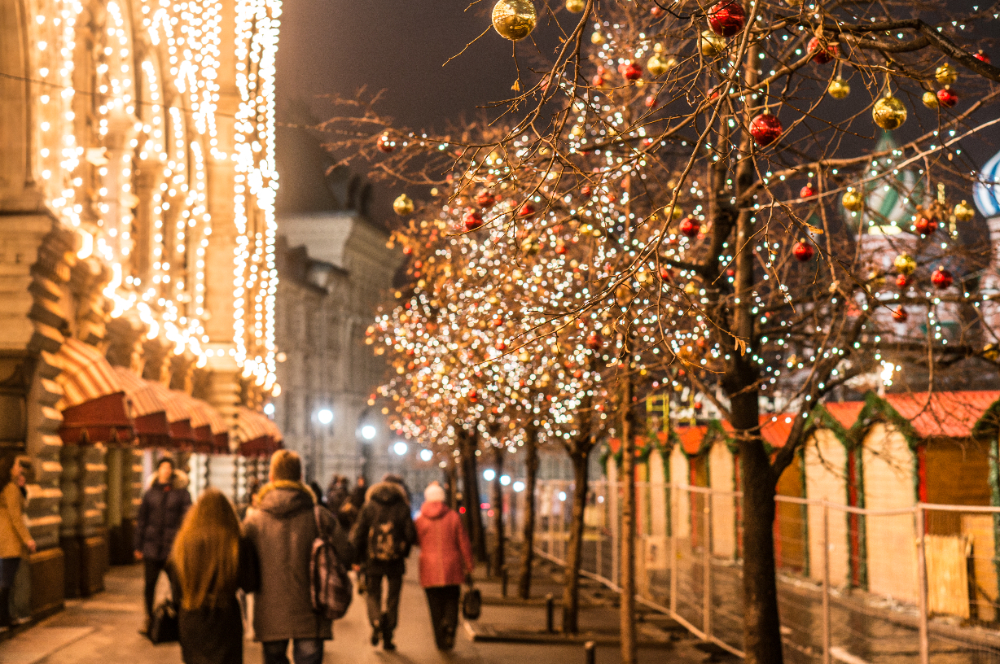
[434, 493]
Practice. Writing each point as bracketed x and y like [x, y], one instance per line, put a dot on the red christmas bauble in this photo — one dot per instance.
[926, 225]
[561, 248]
[656, 11]
[651, 101]
[407, 250]
[690, 227]
[472, 220]
[665, 273]
[485, 199]
[632, 72]
[501, 346]
[765, 129]
[822, 52]
[941, 278]
[527, 210]
[727, 18]
[902, 281]
[472, 396]
[982, 57]
[384, 144]
[803, 251]
[900, 315]
[586, 190]
[597, 81]
[594, 341]
[946, 97]
[807, 191]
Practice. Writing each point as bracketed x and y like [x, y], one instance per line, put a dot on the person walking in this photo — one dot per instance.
[359, 492]
[15, 540]
[445, 561]
[282, 530]
[382, 536]
[210, 560]
[160, 516]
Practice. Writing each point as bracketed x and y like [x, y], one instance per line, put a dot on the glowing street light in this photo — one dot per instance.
[400, 448]
[518, 486]
[426, 455]
[505, 480]
[489, 474]
[368, 431]
[325, 416]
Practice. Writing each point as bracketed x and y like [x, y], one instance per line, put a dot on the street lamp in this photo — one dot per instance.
[325, 416]
[368, 431]
[489, 474]
[426, 455]
[400, 448]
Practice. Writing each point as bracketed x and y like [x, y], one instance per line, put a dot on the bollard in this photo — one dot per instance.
[590, 652]
[503, 583]
[550, 610]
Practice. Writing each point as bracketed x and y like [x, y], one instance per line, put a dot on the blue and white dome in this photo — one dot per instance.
[986, 191]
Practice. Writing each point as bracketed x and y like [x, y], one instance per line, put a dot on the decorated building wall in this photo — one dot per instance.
[137, 187]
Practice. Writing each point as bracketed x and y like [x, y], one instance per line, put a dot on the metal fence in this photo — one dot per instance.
[908, 584]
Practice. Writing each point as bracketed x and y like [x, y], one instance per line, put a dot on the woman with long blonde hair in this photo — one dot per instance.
[209, 562]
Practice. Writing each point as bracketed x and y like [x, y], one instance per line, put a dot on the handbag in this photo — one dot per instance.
[164, 627]
[472, 604]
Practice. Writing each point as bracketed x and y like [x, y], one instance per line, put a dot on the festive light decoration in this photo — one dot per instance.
[727, 18]
[946, 97]
[839, 88]
[905, 264]
[765, 129]
[514, 19]
[929, 100]
[926, 225]
[821, 51]
[403, 205]
[889, 113]
[711, 44]
[946, 74]
[853, 200]
[803, 251]
[963, 211]
[941, 278]
[576, 6]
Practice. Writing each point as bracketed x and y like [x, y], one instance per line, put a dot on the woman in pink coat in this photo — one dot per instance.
[445, 561]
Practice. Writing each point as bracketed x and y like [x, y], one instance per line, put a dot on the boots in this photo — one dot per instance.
[387, 643]
[376, 632]
[4, 607]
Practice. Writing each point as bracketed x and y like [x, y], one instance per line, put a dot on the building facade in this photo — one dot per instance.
[336, 269]
[137, 230]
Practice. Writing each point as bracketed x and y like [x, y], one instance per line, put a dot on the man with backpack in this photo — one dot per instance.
[290, 532]
[382, 536]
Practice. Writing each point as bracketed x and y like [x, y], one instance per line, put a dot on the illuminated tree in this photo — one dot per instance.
[727, 182]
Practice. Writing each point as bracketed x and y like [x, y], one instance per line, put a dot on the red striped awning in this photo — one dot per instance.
[148, 410]
[255, 433]
[178, 417]
[93, 402]
[208, 426]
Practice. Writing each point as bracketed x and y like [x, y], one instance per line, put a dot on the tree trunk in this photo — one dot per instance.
[470, 482]
[497, 504]
[627, 532]
[574, 552]
[451, 477]
[530, 478]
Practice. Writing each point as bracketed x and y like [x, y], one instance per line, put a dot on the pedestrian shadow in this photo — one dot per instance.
[451, 657]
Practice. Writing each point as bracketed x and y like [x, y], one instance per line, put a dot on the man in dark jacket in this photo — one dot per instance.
[382, 536]
[282, 530]
[160, 516]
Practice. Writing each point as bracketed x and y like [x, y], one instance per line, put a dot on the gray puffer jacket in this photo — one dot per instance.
[282, 530]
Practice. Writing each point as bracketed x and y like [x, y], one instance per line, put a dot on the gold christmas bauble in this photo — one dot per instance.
[930, 100]
[889, 113]
[403, 205]
[711, 44]
[853, 200]
[597, 38]
[839, 88]
[657, 66]
[905, 264]
[514, 19]
[964, 212]
[575, 6]
[946, 74]
[794, 3]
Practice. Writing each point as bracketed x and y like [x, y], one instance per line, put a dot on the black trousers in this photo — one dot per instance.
[443, 603]
[152, 573]
[374, 598]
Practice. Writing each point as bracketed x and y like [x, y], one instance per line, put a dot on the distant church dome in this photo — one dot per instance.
[890, 198]
[986, 191]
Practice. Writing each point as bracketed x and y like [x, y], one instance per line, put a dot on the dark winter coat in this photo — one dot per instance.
[160, 516]
[358, 496]
[385, 503]
[282, 530]
[214, 635]
[445, 552]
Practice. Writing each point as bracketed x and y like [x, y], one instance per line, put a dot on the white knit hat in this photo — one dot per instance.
[434, 493]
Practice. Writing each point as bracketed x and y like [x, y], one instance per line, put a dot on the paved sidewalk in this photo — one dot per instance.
[104, 630]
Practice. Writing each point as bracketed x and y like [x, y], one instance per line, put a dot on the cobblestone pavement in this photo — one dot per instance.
[104, 629]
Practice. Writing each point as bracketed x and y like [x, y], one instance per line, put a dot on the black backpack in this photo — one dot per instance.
[385, 543]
